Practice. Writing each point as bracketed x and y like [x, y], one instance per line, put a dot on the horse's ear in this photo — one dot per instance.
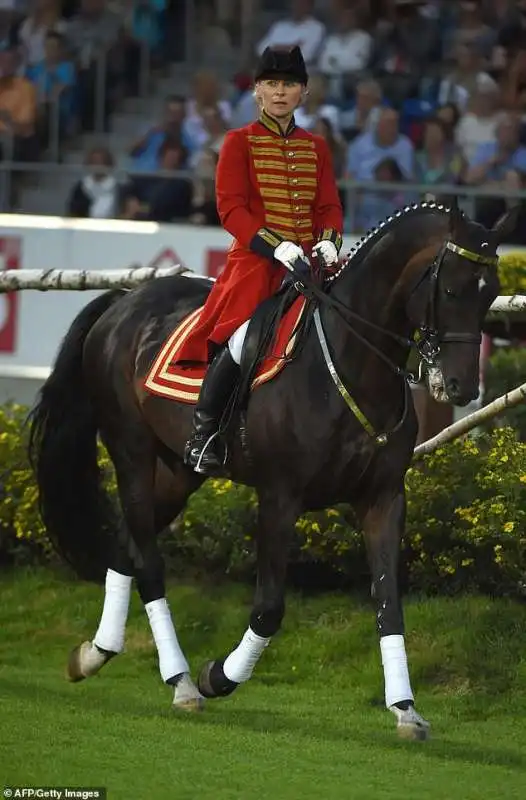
[506, 225]
[455, 214]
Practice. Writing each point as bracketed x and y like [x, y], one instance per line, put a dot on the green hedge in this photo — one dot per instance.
[465, 526]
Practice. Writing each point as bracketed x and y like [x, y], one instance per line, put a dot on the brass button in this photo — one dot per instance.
[293, 166]
[296, 194]
[286, 141]
[297, 208]
[294, 180]
[291, 153]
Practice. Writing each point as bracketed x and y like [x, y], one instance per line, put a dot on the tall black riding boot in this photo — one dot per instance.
[204, 451]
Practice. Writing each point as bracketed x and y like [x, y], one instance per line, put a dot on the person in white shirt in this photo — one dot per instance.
[315, 107]
[479, 124]
[348, 49]
[301, 29]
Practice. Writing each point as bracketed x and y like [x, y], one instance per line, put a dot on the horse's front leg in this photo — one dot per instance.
[277, 514]
[383, 526]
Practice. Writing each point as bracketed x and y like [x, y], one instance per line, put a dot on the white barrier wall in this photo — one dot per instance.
[32, 323]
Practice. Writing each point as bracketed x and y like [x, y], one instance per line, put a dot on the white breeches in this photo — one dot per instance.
[235, 343]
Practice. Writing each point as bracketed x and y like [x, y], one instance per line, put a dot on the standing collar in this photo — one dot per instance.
[271, 124]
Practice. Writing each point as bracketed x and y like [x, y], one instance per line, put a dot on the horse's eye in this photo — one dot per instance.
[450, 292]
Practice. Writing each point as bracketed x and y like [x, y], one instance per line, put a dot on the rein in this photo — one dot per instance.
[427, 345]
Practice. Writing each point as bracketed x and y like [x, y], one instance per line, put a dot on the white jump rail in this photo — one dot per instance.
[16, 280]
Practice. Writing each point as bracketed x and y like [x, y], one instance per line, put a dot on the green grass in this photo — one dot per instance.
[310, 724]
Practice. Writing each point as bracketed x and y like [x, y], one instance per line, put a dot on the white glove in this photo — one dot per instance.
[288, 252]
[327, 250]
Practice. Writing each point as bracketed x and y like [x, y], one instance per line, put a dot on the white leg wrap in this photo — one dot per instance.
[396, 673]
[112, 626]
[235, 343]
[171, 658]
[240, 663]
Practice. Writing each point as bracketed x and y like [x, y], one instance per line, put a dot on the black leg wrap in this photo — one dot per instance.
[108, 654]
[404, 705]
[267, 623]
[174, 680]
[212, 681]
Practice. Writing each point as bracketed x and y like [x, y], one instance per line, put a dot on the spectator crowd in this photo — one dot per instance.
[421, 94]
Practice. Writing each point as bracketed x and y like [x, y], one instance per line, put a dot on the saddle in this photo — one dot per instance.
[259, 342]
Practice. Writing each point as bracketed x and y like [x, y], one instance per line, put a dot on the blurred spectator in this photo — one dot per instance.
[449, 115]
[514, 80]
[492, 160]
[204, 209]
[95, 35]
[466, 78]
[301, 28]
[145, 24]
[370, 148]
[512, 35]
[161, 198]
[245, 111]
[315, 106]
[18, 107]
[500, 164]
[365, 113]
[377, 206]
[479, 124]
[98, 194]
[470, 29]
[206, 95]
[45, 16]
[323, 127]
[346, 51]
[54, 79]
[145, 152]
[439, 160]
[405, 51]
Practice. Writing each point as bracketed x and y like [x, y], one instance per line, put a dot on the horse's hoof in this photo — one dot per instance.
[187, 696]
[190, 706]
[410, 725]
[85, 661]
[212, 681]
[74, 671]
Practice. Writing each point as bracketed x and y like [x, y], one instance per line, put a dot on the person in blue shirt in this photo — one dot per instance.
[55, 80]
[145, 152]
[493, 160]
[501, 164]
[368, 151]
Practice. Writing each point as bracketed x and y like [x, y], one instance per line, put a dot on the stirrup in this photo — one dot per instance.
[205, 452]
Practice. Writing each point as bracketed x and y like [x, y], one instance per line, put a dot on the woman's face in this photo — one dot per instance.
[279, 98]
[434, 136]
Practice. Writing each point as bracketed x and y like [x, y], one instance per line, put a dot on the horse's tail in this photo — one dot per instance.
[74, 507]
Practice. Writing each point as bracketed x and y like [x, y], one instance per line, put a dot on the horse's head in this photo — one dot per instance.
[450, 301]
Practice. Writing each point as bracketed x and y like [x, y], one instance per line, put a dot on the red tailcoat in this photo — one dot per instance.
[270, 187]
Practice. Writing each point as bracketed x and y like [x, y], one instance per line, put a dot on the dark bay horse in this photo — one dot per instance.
[337, 425]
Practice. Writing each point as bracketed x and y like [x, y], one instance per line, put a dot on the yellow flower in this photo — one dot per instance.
[509, 527]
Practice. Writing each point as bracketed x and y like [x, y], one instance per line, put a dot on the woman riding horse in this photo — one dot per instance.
[277, 196]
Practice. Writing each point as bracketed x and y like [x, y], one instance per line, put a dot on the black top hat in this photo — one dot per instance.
[275, 63]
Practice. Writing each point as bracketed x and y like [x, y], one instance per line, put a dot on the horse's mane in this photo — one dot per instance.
[359, 251]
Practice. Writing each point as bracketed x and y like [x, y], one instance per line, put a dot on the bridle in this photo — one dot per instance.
[427, 339]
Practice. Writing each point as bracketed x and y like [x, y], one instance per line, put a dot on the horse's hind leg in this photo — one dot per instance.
[149, 504]
[89, 657]
[277, 514]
